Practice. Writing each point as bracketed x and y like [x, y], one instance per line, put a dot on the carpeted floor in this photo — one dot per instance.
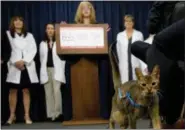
[141, 124]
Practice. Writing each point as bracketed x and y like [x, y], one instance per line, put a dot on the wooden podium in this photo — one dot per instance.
[84, 73]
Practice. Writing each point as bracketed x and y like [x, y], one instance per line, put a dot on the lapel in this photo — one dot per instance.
[55, 56]
[46, 47]
[56, 59]
[53, 47]
[134, 36]
[123, 39]
[54, 50]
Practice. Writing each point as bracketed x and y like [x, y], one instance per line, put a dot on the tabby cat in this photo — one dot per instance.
[133, 99]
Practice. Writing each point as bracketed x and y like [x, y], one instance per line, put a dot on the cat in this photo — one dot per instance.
[134, 99]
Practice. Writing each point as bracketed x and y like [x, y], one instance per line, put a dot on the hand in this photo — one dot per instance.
[22, 68]
[63, 22]
[20, 65]
[108, 28]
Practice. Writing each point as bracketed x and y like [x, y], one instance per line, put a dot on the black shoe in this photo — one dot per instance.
[48, 120]
[60, 118]
[6, 124]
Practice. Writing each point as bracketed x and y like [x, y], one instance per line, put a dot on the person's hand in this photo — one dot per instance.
[108, 28]
[22, 68]
[20, 65]
[63, 22]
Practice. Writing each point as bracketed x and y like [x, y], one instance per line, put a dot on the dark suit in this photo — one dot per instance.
[5, 55]
[159, 16]
[166, 50]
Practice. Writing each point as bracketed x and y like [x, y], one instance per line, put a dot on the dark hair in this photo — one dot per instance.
[46, 38]
[12, 27]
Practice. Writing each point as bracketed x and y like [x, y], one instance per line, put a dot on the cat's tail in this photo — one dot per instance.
[115, 69]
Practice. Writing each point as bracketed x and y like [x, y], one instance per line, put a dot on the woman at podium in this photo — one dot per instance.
[85, 14]
[84, 72]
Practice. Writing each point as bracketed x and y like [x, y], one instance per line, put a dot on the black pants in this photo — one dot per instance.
[165, 51]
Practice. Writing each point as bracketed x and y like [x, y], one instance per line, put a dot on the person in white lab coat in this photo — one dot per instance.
[21, 66]
[52, 73]
[127, 61]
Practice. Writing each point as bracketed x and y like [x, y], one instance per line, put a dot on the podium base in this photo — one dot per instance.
[89, 121]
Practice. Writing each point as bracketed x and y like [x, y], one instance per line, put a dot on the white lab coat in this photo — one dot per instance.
[59, 65]
[23, 48]
[122, 47]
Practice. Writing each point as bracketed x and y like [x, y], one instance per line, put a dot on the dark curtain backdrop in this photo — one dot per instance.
[39, 13]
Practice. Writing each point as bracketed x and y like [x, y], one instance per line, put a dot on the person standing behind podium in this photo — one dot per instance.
[128, 62]
[85, 14]
[52, 73]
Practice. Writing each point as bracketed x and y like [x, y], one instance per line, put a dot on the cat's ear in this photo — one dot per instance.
[139, 73]
[156, 72]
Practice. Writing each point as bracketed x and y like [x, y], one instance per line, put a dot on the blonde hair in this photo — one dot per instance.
[78, 16]
[128, 16]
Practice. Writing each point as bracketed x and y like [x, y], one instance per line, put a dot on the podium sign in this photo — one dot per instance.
[81, 39]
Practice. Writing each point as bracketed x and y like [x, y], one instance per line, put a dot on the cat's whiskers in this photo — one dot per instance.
[161, 91]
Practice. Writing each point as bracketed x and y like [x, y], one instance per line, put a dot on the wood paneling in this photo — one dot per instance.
[85, 89]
